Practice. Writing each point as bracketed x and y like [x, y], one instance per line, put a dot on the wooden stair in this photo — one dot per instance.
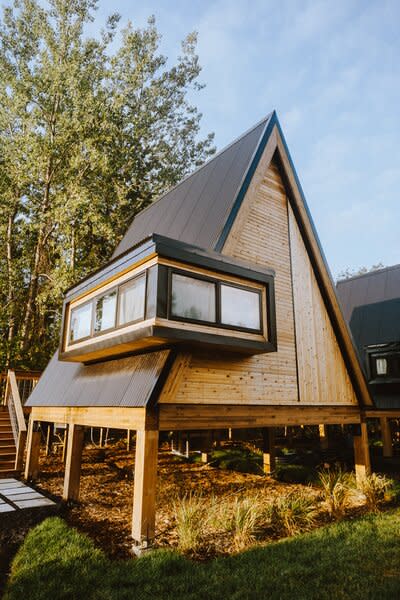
[7, 445]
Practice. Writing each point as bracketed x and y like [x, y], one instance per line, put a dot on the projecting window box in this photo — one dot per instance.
[164, 292]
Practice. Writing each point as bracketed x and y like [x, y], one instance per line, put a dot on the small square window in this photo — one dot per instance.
[381, 366]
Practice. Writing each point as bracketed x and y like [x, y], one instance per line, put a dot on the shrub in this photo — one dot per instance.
[294, 473]
[375, 487]
[337, 486]
[292, 513]
[190, 515]
[244, 521]
[237, 459]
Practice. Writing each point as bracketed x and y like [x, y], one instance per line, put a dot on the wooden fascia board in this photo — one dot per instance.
[94, 416]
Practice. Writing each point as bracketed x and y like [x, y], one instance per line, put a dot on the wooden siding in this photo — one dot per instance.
[323, 377]
[260, 235]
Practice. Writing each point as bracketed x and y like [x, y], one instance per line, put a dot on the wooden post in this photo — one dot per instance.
[268, 434]
[128, 440]
[361, 452]
[73, 463]
[49, 438]
[386, 437]
[32, 452]
[65, 444]
[144, 496]
[323, 437]
[19, 457]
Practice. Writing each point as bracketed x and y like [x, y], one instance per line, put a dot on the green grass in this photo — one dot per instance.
[357, 559]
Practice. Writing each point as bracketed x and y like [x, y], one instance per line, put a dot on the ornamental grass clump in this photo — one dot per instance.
[190, 517]
[337, 487]
[375, 488]
[244, 521]
[292, 514]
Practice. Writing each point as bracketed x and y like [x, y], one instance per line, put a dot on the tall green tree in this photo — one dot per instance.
[88, 137]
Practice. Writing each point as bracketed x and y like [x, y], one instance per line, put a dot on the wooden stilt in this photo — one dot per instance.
[73, 463]
[128, 440]
[49, 438]
[65, 443]
[19, 458]
[144, 497]
[32, 451]
[386, 437]
[323, 437]
[361, 452]
[268, 449]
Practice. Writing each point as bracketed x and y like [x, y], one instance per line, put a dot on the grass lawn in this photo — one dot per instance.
[353, 559]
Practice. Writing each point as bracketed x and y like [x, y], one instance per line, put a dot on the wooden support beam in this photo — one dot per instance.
[386, 437]
[323, 437]
[49, 438]
[361, 452]
[268, 434]
[144, 497]
[73, 462]
[19, 458]
[32, 451]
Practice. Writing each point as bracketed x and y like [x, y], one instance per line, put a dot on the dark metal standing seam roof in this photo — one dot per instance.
[126, 382]
[195, 210]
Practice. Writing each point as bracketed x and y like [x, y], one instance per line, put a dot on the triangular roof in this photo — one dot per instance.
[202, 208]
[196, 209]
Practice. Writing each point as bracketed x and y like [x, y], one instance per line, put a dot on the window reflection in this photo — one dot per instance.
[105, 311]
[193, 298]
[240, 308]
[81, 319]
[131, 300]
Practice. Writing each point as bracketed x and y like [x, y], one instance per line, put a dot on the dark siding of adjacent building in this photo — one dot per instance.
[371, 306]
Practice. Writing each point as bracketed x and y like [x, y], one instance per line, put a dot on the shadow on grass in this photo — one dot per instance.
[348, 560]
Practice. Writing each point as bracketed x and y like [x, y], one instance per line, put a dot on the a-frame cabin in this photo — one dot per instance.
[217, 310]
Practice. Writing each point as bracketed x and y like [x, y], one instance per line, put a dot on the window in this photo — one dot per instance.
[381, 366]
[81, 322]
[105, 311]
[131, 300]
[193, 298]
[240, 308]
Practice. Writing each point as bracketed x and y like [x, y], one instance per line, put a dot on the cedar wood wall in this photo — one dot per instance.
[265, 232]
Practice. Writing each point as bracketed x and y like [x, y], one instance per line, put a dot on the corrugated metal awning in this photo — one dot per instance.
[125, 382]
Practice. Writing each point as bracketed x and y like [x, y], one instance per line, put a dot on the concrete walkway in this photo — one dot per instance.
[15, 495]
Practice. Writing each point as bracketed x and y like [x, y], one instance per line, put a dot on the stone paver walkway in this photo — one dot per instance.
[16, 495]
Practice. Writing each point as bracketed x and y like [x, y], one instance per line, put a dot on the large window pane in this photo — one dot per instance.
[81, 319]
[193, 298]
[240, 308]
[131, 300]
[105, 311]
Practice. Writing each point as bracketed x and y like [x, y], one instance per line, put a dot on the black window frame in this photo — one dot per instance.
[95, 300]
[86, 337]
[392, 356]
[143, 274]
[217, 324]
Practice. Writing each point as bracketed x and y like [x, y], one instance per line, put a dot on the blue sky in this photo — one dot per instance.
[331, 69]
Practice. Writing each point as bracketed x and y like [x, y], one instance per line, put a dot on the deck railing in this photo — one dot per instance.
[15, 408]
[26, 381]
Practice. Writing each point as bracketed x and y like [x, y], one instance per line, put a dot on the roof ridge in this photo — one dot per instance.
[224, 149]
[369, 273]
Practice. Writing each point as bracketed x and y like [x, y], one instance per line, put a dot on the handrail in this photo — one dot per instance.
[17, 401]
[18, 424]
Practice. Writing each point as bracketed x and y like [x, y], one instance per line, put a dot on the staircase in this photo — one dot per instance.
[7, 444]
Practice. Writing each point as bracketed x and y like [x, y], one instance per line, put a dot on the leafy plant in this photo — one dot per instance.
[294, 473]
[337, 486]
[291, 514]
[237, 459]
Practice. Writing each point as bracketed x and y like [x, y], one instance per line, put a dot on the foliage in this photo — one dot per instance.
[357, 559]
[292, 513]
[375, 487]
[337, 486]
[89, 136]
[294, 473]
[347, 273]
[237, 459]
[190, 516]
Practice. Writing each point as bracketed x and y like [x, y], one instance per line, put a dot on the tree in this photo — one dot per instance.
[87, 139]
[348, 273]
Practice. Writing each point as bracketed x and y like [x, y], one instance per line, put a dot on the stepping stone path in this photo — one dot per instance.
[16, 495]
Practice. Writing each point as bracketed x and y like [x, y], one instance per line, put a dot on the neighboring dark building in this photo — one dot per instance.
[371, 306]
